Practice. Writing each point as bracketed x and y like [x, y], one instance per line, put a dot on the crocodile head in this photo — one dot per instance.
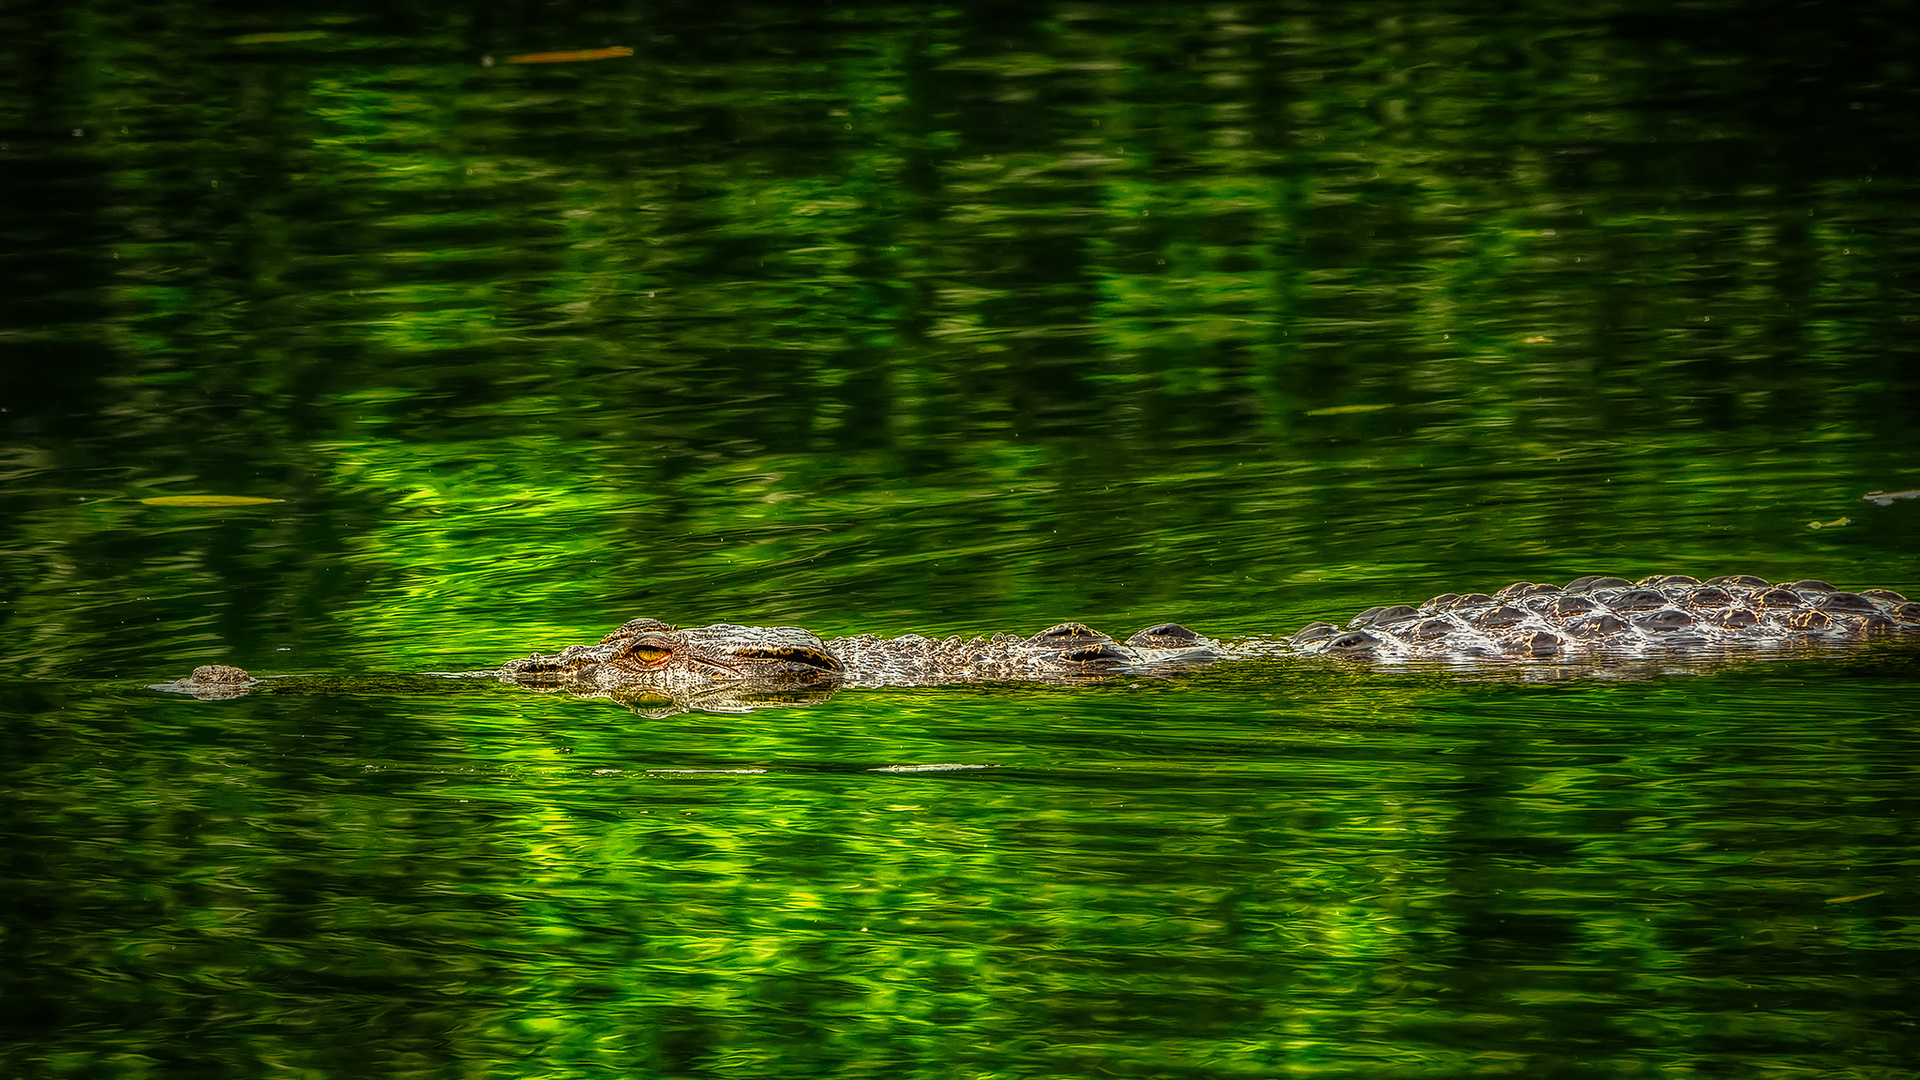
[650, 654]
[211, 682]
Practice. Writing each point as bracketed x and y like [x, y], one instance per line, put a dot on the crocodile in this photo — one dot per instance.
[1591, 620]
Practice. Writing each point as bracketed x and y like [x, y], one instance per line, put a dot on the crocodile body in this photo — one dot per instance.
[1060, 653]
[1592, 619]
[1598, 617]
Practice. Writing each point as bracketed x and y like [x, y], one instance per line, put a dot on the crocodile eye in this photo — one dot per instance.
[647, 652]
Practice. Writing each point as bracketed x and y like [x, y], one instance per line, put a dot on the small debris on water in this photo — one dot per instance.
[570, 56]
[1343, 410]
[941, 767]
[278, 37]
[208, 500]
[1834, 524]
[1888, 498]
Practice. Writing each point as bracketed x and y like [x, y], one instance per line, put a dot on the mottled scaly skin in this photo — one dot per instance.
[1060, 653]
[1597, 617]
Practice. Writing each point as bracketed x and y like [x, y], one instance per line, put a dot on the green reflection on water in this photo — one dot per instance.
[1329, 870]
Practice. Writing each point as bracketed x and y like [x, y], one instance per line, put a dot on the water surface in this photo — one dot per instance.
[882, 319]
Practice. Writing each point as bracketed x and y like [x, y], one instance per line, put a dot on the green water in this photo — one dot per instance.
[888, 318]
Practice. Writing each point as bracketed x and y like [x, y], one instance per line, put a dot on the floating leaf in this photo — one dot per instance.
[1536, 339]
[1834, 524]
[571, 56]
[1342, 410]
[207, 500]
[278, 37]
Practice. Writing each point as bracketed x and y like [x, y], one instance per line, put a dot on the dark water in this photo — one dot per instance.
[886, 318]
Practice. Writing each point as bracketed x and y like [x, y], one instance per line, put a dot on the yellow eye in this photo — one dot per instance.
[648, 654]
